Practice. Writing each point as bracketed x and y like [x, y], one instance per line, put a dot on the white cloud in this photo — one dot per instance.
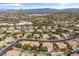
[12, 5]
[70, 7]
[39, 1]
[30, 6]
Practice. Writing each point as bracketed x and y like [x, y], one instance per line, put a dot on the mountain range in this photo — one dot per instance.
[42, 9]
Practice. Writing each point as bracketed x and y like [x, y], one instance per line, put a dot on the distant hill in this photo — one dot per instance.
[51, 9]
[72, 9]
[41, 10]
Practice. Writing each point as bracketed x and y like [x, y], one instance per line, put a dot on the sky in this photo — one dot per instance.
[38, 5]
[35, 4]
[39, 1]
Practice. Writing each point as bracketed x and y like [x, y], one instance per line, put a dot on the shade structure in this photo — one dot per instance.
[53, 50]
[57, 54]
[75, 49]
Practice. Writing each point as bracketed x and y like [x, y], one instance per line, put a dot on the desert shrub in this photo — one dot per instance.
[43, 49]
[18, 45]
[34, 47]
[26, 47]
